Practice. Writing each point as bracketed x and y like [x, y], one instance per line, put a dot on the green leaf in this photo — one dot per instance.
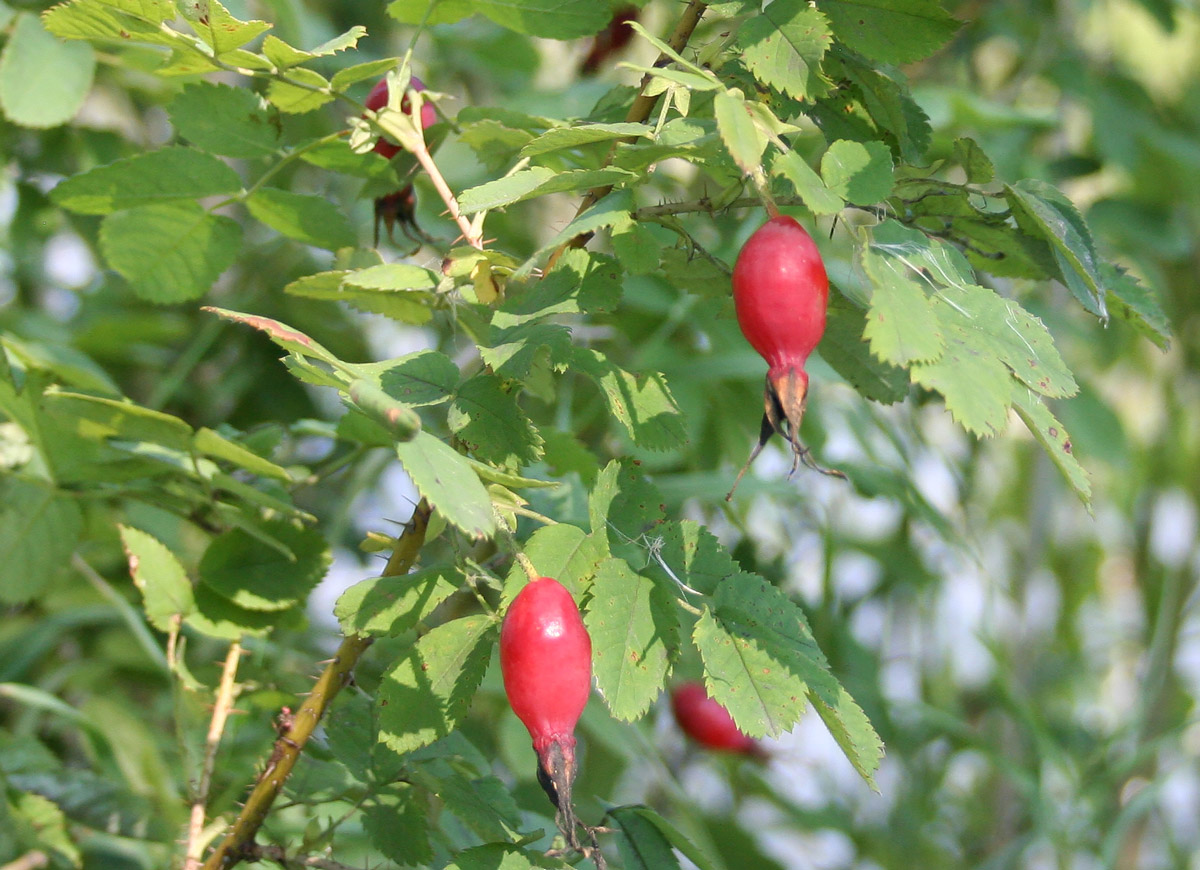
[514, 350]
[111, 22]
[221, 31]
[760, 657]
[859, 172]
[446, 479]
[225, 120]
[974, 162]
[495, 142]
[635, 635]
[63, 361]
[283, 55]
[608, 211]
[304, 91]
[977, 388]
[217, 616]
[427, 691]
[783, 47]
[853, 733]
[580, 282]
[693, 554]
[1055, 440]
[426, 377]
[742, 137]
[43, 81]
[901, 326]
[1044, 212]
[39, 528]
[636, 247]
[430, 12]
[1130, 301]
[503, 191]
[562, 551]
[501, 856]
[819, 198]
[549, 19]
[695, 273]
[623, 505]
[390, 289]
[165, 587]
[172, 252]
[162, 176]
[383, 606]
[370, 69]
[939, 261]
[313, 220]
[213, 444]
[642, 403]
[673, 835]
[99, 417]
[1001, 328]
[584, 134]
[537, 181]
[640, 843]
[48, 829]
[291, 340]
[392, 276]
[489, 422]
[891, 31]
[483, 803]
[887, 101]
[398, 826]
[255, 575]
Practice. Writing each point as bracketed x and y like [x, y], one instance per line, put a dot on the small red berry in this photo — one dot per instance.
[708, 723]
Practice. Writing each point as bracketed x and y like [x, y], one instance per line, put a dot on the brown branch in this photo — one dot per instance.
[239, 842]
[639, 111]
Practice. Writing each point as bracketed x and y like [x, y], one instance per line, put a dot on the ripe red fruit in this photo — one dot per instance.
[378, 98]
[546, 660]
[708, 723]
[781, 291]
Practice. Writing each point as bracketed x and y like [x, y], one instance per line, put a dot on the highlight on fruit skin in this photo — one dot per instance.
[708, 723]
[546, 663]
[781, 292]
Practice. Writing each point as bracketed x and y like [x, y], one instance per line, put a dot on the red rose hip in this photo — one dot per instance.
[781, 291]
[708, 723]
[546, 661]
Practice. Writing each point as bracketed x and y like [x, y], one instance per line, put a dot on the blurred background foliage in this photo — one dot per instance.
[1032, 669]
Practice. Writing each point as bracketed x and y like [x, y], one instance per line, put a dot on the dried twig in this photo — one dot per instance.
[226, 692]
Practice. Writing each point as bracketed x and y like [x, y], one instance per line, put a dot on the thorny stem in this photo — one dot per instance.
[239, 842]
[226, 691]
[471, 235]
[639, 110]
